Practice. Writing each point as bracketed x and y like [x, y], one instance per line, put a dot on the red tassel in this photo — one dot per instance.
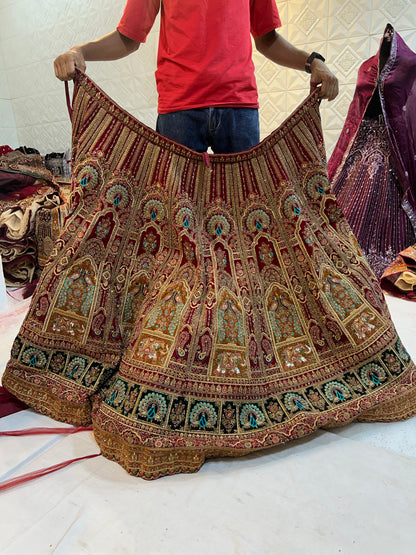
[39, 431]
[43, 472]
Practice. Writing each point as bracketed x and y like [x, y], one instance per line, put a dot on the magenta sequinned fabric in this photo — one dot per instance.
[372, 169]
[369, 193]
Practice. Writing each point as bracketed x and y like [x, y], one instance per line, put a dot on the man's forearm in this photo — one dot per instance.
[279, 50]
[109, 47]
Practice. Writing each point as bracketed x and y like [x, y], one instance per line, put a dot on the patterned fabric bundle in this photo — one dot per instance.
[198, 306]
[18, 245]
[26, 187]
[399, 279]
[26, 164]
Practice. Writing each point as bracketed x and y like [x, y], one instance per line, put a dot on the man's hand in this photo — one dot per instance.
[109, 47]
[323, 78]
[66, 63]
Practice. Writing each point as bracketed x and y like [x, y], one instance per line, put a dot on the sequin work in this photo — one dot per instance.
[193, 311]
[370, 196]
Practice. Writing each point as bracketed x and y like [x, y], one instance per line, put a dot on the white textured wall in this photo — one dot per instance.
[33, 32]
[346, 33]
[8, 133]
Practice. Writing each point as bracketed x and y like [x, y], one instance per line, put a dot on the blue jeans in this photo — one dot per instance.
[225, 130]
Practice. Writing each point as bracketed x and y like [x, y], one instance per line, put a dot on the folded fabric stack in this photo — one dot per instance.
[399, 279]
[26, 186]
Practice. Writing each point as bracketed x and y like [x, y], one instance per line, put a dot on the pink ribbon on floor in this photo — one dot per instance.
[48, 470]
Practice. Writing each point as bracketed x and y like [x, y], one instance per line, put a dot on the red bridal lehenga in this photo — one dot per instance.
[198, 306]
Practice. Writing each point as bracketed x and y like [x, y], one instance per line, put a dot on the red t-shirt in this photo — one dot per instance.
[205, 52]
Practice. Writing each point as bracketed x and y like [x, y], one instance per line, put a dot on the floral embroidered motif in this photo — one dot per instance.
[77, 290]
[283, 317]
[340, 294]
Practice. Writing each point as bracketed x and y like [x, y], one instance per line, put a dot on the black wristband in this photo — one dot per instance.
[314, 55]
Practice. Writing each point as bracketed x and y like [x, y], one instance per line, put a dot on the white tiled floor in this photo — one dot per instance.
[349, 491]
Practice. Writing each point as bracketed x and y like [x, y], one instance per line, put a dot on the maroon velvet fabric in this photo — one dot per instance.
[9, 404]
[14, 185]
[5, 149]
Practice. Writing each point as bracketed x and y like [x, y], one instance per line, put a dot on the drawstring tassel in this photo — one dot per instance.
[42, 472]
[48, 470]
[206, 159]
